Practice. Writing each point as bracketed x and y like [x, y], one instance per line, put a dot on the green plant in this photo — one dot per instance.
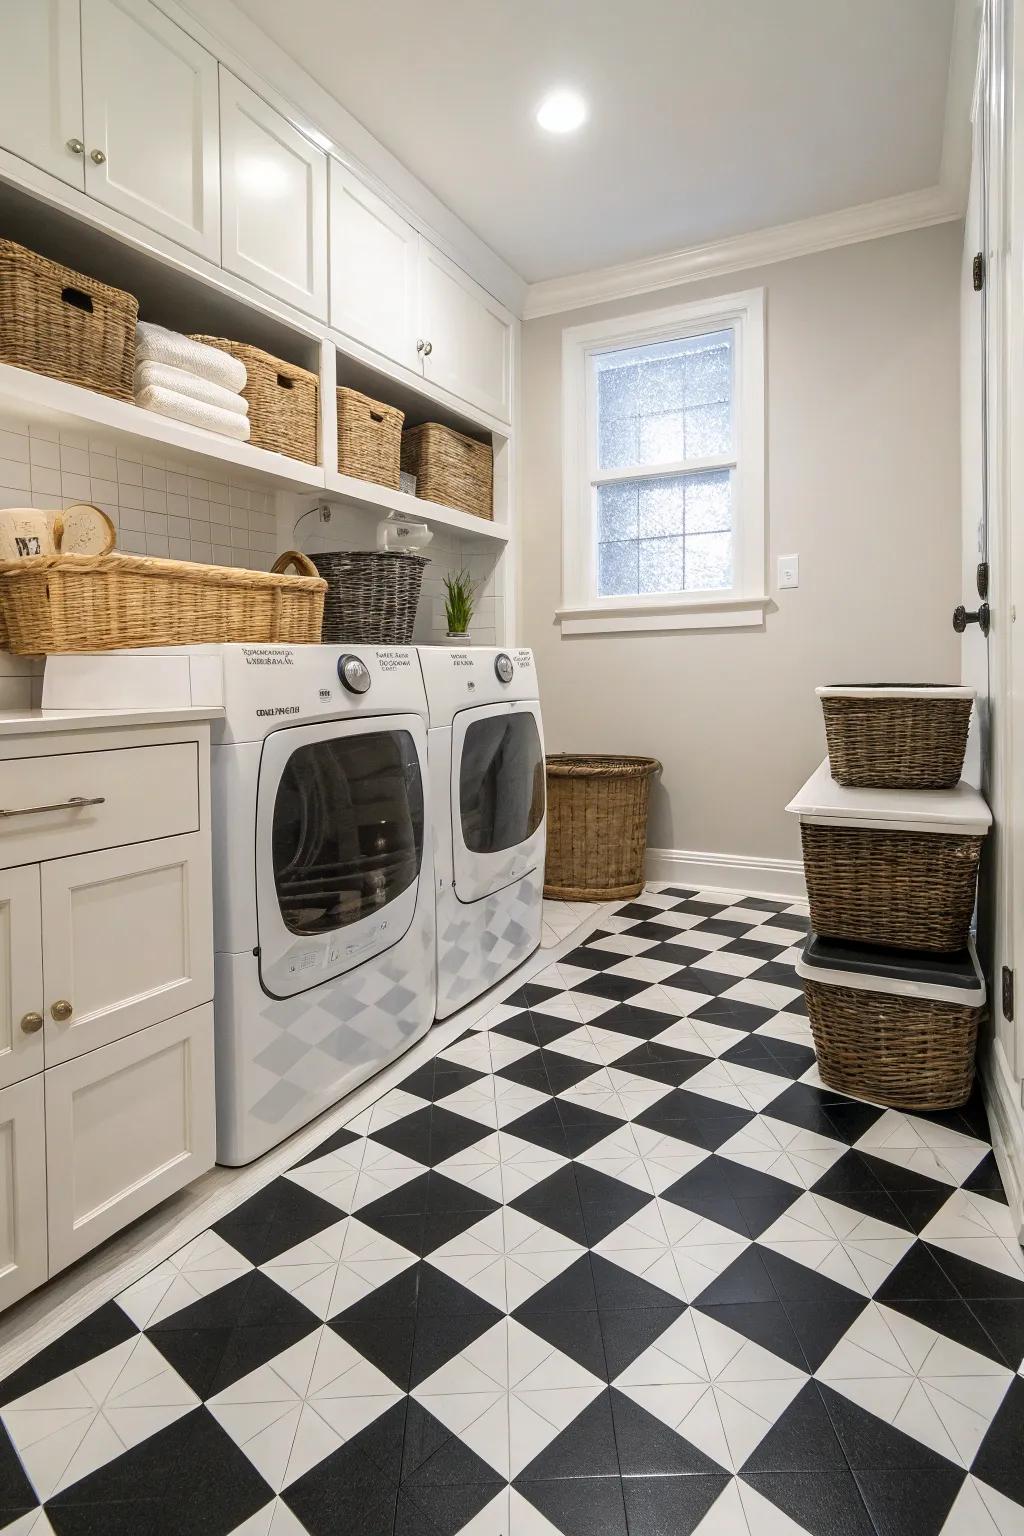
[459, 601]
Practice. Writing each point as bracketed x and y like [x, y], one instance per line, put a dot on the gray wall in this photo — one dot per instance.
[863, 483]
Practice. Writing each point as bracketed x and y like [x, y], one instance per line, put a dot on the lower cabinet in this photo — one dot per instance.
[126, 1126]
[23, 1263]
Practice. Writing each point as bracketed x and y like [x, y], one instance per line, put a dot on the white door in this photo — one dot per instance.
[467, 335]
[127, 941]
[23, 1263]
[21, 975]
[273, 200]
[126, 1126]
[498, 797]
[374, 254]
[151, 130]
[41, 86]
[974, 653]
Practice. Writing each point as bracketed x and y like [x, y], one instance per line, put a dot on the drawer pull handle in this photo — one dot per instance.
[74, 804]
[32, 1022]
[61, 1011]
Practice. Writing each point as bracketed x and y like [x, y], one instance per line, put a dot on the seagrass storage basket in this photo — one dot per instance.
[896, 1028]
[283, 400]
[372, 595]
[56, 321]
[597, 826]
[369, 438]
[897, 736]
[55, 603]
[452, 469]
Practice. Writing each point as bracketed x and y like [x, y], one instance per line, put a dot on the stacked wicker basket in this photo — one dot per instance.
[891, 840]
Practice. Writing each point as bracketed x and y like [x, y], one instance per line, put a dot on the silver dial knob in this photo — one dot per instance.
[354, 674]
[76, 146]
[98, 156]
[503, 668]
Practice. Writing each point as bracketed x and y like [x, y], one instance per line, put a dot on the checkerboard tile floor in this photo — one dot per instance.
[613, 1263]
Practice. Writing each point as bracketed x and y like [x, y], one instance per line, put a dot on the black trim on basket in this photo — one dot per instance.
[923, 969]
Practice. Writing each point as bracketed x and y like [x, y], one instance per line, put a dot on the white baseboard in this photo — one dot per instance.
[1006, 1123]
[728, 871]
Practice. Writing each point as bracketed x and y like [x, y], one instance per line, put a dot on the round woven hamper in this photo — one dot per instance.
[372, 595]
[597, 826]
[904, 1052]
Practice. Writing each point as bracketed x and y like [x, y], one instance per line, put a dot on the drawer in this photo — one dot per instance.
[137, 793]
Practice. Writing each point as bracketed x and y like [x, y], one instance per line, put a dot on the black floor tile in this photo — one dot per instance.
[355, 1488]
[910, 1502]
[763, 1322]
[648, 1448]
[95, 1334]
[872, 1445]
[628, 1331]
[670, 1506]
[802, 1439]
[999, 1461]
[579, 1506]
[585, 1448]
[822, 1503]
[275, 1219]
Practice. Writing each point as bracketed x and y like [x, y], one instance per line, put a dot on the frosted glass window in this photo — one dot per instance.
[665, 403]
[670, 534]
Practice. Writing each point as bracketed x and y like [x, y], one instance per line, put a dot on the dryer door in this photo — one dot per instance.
[497, 796]
[339, 843]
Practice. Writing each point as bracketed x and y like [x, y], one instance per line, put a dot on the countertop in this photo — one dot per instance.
[39, 722]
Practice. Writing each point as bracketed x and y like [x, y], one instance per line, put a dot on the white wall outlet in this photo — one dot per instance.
[789, 571]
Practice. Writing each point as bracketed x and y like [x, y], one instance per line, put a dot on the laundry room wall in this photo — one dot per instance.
[862, 391]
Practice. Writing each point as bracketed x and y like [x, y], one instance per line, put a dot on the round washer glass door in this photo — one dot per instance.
[340, 823]
[498, 804]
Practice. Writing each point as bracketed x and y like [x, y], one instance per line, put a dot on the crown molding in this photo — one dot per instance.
[762, 247]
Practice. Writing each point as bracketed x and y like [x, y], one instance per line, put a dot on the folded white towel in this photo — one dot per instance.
[165, 402]
[155, 344]
[163, 376]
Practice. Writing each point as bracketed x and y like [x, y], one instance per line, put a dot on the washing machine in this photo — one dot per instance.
[486, 752]
[322, 865]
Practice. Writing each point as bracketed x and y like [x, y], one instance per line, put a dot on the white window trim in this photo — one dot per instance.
[581, 612]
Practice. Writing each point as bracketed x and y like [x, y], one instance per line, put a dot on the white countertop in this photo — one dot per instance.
[822, 802]
[38, 722]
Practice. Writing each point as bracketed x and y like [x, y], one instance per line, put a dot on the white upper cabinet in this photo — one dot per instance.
[467, 335]
[41, 86]
[274, 200]
[151, 130]
[374, 255]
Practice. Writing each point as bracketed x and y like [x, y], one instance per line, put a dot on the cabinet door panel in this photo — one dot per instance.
[21, 973]
[373, 270]
[41, 85]
[127, 940]
[151, 110]
[126, 1126]
[274, 200]
[22, 1190]
[469, 333]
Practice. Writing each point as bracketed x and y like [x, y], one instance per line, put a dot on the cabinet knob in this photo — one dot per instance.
[76, 146]
[32, 1022]
[420, 345]
[61, 1010]
[98, 157]
[428, 348]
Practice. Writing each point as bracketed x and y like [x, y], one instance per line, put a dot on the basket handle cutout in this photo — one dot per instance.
[285, 382]
[376, 416]
[77, 299]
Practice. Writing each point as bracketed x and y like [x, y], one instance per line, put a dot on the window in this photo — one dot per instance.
[663, 518]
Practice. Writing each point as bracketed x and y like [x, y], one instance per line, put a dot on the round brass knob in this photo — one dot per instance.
[31, 1022]
[76, 146]
[98, 156]
[61, 1010]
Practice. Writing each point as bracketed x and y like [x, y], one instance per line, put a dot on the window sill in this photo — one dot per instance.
[610, 617]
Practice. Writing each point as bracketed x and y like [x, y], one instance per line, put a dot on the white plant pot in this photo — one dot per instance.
[463, 639]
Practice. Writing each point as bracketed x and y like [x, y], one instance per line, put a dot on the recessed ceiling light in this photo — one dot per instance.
[562, 111]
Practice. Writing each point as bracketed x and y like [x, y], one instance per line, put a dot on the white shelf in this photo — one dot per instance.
[32, 398]
[377, 498]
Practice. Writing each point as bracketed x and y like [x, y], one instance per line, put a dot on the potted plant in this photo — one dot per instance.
[459, 602]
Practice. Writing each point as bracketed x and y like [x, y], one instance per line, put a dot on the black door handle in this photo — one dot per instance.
[983, 618]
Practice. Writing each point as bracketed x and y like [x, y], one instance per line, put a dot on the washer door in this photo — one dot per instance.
[339, 843]
[497, 797]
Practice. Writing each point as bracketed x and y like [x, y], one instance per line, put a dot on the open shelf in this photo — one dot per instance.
[380, 498]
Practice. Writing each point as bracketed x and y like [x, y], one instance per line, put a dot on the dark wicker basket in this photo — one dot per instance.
[283, 400]
[905, 890]
[892, 741]
[372, 595]
[58, 322]
[369, 438]
[905, 1052]
[597, 826]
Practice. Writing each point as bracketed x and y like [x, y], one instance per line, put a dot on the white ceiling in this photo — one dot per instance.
[708, 118]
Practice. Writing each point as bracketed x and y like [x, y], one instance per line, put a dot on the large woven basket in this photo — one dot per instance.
[597, 826]
[369, 438]
[906, 1052]
[58, 603]
[451, 469]
[58, 322]
[897, 738]
[906, 890]
[372, 595]
[283, 400]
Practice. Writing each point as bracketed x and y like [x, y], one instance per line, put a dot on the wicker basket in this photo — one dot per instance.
[58, 322]
[283, 400]
[58, 603]
[453, 470]
[905, 1052]
[372, 595]
[896, 737]
[597, 826]
[908, 890]
[369, 438]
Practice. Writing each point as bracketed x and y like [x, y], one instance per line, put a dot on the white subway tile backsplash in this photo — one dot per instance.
[133, 543]
[202, 552]
[154, 477]
[14, 446]
[75, 487]
[177, 485]
[14, 475]
[103, 490]
[132, 518]
[178, 527]
[74, 460]
[131, 495]
[129, 472]
[102, 466]
[157, 546]
[44, 454]
[199, 510]
[155, 501]
[180, 549]
[45, 482]
[239, 517]
[198, 490]
[156, 522]
[218, 492]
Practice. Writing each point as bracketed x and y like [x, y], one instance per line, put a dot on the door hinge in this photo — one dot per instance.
[982, 575]
[978, 272]
[1007, 993]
